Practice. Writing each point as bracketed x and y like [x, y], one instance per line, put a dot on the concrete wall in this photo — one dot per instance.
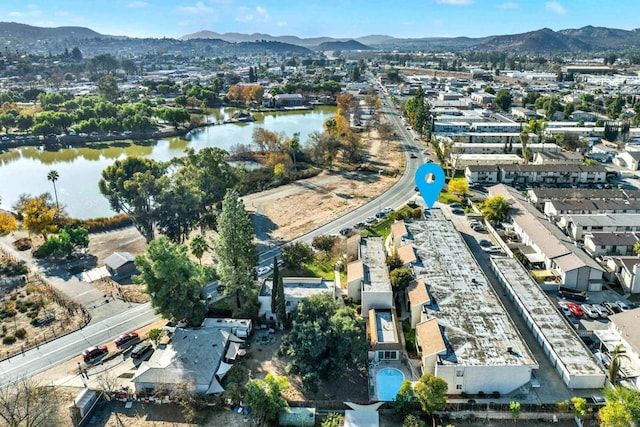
[376, 299]
[477, 378]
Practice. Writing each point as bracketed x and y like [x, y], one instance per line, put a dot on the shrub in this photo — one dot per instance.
[94, 225]
[8, 340]
[21, 333]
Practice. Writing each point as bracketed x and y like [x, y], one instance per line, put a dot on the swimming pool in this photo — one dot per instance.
[388, 382]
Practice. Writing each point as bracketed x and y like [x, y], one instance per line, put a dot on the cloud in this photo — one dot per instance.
[136, 4]
[259, 14]
[555, 7]
[282, 24]
[509, 5]
[455, 2]
[32, 11]
[198, 9]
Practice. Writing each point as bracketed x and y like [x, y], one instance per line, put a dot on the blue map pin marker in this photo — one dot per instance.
[430, 180]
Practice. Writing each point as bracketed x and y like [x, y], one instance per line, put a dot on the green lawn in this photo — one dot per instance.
[448, 198]
[322, 266]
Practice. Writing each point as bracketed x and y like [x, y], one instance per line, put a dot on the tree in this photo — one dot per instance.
[265, 399]
[27, 403]
[198, 247]
[458, 186]
[334, 419]
[108, 88]
[495, 209]
[622, 408]
[405, 399]
[393, 261]
[235, 248]
[636, 248]
[515, 409]
[8, 223]
[524, 140]
[53, 177]
[412, 421]
[279, 306]
[503, 100]
[431, 392]
[324, 243]
[173, 281]
[580, 408]
[133, 186]
[38, 214]
[296, 254]
[400, 279]
[324, 340]
[155, 334]
[617, 355]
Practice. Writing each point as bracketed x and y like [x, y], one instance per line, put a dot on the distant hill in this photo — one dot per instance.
[42, 40]
[13, 30]
[339, 45]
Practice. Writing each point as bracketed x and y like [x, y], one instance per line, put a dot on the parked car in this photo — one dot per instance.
[94, 352]
[360, 225]
[622, 305]
[381, 214]
[485, 243]
[140, 350]
[388, 209]
[371, 220]
[263, 270]
[564, 309]
[602, 312]
[611, 308]
[413, 156]
[457, 211]
[589, 311]
[125, 338]
[493, 249]
[345, 231]
[455, 205]
[575, 309]
[477, 227]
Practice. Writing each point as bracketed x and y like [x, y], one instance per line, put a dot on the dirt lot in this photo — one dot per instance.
[295, 209]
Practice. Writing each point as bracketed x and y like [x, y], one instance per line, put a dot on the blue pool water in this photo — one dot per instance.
[388, 382]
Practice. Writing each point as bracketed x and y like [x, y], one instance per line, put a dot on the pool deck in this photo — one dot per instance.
[374, 368]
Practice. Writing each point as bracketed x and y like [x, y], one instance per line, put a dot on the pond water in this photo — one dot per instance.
[24, 169]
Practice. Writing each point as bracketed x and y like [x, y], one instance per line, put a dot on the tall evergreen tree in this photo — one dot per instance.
[280, 308]
[235, 247]
[274, 287]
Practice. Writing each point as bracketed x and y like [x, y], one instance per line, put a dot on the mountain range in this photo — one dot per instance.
[587, 39]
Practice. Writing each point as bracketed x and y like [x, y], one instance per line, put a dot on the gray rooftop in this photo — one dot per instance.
[476, 325]
[376, 273]
[561, 338]
[605, 220]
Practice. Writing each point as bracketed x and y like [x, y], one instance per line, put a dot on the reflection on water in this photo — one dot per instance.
[24, 169]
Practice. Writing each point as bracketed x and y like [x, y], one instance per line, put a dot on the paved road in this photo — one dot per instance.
[69, 346]
[395, 197]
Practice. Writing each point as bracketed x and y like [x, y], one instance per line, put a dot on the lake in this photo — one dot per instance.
[24, 169]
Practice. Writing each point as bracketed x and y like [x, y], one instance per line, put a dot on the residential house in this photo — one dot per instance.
[507, 138]
[499, 148]
[461, 161]
[556, 174]
[539, 196]
[602, 243]
[195, 357]
[368, 277]
[483, 174]
[429, 344]
[418, 300]
[295, 289]
[407, 255]
[289, 100]
[572, 266]
[626, 270]
[628, 160]
[577, 225]
[560, 157]
[623, 330]
[383, 335]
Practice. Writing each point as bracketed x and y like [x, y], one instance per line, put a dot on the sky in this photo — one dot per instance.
[312, 18]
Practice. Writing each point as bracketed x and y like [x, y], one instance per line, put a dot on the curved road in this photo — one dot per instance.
[69, 346]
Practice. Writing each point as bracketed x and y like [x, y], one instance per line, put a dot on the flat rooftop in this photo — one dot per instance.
[385, 327]
[373, 256]
[477, 328]
[569, 348]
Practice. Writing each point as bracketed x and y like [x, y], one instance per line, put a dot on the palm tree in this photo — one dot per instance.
[53, 177]
[199, 246]
[617, 354]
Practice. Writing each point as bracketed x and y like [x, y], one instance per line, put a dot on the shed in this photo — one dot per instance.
[120, 264]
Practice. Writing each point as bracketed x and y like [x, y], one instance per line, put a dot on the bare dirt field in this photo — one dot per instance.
[292, 210]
